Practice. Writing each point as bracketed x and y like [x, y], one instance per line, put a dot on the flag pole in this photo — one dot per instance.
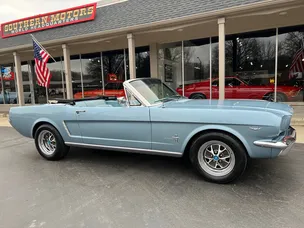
[47, 94]
[42, 47]
[46, 88]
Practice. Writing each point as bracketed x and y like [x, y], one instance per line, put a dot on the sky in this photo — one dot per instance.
[17, 9]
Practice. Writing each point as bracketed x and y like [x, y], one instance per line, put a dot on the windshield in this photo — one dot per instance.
[154, 90]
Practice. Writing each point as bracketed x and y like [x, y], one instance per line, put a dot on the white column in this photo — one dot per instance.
[67, 71]
[221, 27]
[132, 62]
[19, 80]
[154, 60]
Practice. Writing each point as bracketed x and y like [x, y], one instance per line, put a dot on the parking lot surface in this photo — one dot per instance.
[92, 188]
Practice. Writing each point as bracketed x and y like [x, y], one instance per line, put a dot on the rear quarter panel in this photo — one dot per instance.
[25, 118]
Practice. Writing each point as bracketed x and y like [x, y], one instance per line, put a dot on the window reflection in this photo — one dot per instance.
[114, 73]
[28, 89]
[250, 65]
[197, 69]
[56, 88]
[91, 76]
[170, 65]
[76, 74]
[291, 61]
[8, 90]
[142, 58]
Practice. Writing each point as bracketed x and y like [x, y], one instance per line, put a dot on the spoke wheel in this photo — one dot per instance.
[50, 143]
[47, 142]
[216, 158]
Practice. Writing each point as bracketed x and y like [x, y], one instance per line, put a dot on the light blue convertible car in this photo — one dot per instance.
[218, 137]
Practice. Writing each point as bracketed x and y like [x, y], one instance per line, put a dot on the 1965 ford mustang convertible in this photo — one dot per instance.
[217, 136]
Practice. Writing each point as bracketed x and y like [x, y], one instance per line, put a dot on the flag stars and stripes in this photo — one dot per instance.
[41, 58]
[297, 63]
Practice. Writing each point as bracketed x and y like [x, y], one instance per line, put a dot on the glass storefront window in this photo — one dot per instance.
[8, 94]
[250, 66]
[91, 76]
[56, 88]
[76, 74]
[142, 58]
[114, 72]
[28, 89]
[291, 63]
[250, 71]
[197, 68]
[170, 65]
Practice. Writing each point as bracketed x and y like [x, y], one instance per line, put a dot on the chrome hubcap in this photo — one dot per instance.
[47, 142]
[216, 158]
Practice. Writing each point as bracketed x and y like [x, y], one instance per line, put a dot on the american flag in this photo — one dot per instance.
[41, 58]
[297, 63]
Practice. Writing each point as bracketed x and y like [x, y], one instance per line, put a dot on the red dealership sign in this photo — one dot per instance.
[49, 20]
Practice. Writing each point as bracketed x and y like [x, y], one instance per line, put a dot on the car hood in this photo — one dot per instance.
[248, 105]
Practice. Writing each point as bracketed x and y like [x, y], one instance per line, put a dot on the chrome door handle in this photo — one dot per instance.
[79, 111]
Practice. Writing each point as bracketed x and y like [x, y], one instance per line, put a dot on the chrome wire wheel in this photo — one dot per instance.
[47, 142]
[216, 158]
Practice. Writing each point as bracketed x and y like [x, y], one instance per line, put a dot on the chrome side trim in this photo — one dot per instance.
[125, 149]
[67, 130]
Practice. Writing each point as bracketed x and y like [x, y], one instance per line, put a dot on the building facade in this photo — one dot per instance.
[234, 49]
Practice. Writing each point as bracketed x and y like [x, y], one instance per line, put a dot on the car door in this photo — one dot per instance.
[115, 126]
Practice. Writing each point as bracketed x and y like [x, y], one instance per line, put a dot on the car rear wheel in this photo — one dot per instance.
[49, 143]
[198, 96]
[280, 97]
[218, 157]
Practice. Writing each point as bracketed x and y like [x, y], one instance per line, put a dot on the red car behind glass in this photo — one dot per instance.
[111, 89]
[235, 88]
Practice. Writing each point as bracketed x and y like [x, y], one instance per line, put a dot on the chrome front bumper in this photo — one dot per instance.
[285, 145]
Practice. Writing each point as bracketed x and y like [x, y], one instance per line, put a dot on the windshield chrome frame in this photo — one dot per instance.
[142, 99]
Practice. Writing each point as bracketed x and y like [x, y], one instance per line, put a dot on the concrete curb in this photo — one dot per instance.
[3, 115]
[297, 121]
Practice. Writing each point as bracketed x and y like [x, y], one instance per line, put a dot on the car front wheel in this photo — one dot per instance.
[218, 157]
[49, 143]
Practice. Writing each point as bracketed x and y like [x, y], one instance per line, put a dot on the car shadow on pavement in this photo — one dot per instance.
[263, 174]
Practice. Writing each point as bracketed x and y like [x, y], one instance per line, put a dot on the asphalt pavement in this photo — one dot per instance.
[109, 189]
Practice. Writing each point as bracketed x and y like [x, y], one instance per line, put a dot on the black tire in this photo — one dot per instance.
[237, 153]
[198, 96]
[280, 97]
[61, 149]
